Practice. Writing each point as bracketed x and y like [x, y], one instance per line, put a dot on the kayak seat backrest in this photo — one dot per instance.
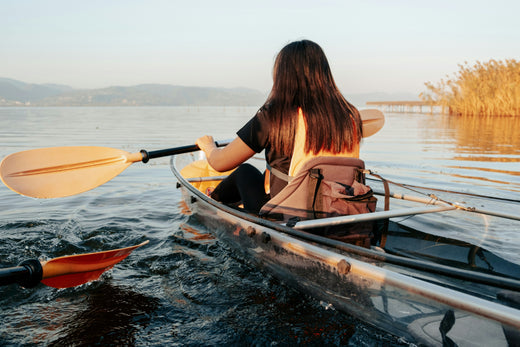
[323, 187]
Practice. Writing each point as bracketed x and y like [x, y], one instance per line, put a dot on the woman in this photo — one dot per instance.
[304, 116]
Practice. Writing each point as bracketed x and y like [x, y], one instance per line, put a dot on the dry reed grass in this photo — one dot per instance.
[485, 89]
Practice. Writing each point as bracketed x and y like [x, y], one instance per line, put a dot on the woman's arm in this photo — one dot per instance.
[226, 158]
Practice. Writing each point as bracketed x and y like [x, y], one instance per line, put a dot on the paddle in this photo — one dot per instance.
[63, 171]
[65, 272]
[373, 121]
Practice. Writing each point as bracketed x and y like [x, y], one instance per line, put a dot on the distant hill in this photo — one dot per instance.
[16, 93]
[12, 90]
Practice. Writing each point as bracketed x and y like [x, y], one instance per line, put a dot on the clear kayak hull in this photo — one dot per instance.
[398, 288]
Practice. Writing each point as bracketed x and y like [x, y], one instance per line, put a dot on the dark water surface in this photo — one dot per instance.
[185, 287]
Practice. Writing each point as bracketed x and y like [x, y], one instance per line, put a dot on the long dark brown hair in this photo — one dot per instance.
[302, 79]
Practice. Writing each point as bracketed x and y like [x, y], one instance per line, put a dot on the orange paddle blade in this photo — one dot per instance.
[373, 121]
[63, 171]
[74, 270]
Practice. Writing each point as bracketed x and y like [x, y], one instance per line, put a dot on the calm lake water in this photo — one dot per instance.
[185, 287]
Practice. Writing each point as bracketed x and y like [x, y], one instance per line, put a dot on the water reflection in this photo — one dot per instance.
[457, 153]
[473, 150]
[207, 296]
[482, 135]
[111, 316]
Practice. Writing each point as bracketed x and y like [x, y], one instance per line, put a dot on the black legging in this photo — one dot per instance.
[245, 184]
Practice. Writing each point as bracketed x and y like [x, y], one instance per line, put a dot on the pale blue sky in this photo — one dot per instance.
[373, 45]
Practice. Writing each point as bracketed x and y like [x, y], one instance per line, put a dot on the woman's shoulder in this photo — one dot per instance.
[264, 109]
[263, 114]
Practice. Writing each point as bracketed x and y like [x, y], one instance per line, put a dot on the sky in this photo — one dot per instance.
[391, 46]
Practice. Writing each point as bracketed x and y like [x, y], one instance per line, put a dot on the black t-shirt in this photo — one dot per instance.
[255, 134]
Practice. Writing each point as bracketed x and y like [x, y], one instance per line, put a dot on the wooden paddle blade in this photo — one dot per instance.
[373, 121]
[74, 270]
[63, 171]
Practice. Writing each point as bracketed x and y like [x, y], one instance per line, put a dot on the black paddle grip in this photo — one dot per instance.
[145, 155]
[173, 151]
[166, 152]
[28, 274]
[35, 273]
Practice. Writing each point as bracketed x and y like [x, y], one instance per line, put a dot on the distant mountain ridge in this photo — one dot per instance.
[17, 93]
[13, 90]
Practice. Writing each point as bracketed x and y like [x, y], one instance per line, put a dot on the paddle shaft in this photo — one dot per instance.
[174, 151]
[28, 274]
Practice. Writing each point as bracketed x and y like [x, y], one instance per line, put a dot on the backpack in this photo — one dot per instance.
[323, 187]
[327, 187]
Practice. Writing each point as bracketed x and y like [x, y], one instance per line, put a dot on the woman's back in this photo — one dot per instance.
[303, 86]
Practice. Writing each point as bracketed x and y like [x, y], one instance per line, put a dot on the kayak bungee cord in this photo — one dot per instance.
[434, 199]
[407, 186]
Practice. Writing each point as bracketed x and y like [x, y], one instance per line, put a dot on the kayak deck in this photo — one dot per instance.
[420, 286]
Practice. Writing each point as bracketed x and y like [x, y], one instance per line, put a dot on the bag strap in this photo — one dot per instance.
[315, 180]
[279, 174]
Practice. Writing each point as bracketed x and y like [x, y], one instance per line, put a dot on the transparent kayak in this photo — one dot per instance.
[427, 289]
